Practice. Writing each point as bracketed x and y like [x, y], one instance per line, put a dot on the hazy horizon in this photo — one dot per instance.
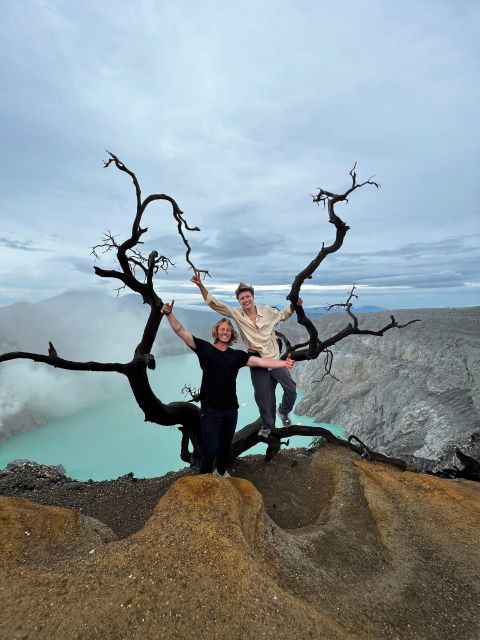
[268, 295]
[198, 305]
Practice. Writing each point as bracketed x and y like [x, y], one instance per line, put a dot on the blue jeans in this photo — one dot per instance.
[218, 428]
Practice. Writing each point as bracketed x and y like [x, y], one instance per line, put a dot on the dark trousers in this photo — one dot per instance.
[263, 382]
[218, 429]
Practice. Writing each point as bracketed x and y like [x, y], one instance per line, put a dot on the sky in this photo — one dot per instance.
[241, 111]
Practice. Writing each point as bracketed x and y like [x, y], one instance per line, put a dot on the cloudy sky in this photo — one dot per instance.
[240, 111]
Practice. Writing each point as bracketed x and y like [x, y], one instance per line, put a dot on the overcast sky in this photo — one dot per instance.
[240, 111]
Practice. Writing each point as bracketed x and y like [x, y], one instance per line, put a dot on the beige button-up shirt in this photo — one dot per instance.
[258, 335]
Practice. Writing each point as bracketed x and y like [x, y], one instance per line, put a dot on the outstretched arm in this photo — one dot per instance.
[212, 302]
[270, 363]
[177, 326]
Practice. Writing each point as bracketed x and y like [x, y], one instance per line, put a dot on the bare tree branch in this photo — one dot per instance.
[347, 305]
[109, 243]
[330, 199]
[121, 167]
[327, 365]
[60, 363]
[137, 231]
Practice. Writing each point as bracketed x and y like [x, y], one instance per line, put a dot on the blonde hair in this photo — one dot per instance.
[234, 336]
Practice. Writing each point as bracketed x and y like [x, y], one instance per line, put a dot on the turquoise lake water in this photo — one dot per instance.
[108, 440]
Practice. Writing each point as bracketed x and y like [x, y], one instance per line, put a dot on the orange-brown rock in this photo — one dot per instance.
[348, 549]
[28, 530]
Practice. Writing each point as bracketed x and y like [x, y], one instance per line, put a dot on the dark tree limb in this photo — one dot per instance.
[350, 330]
[60, 363]
[327, 365]
[347, 306]
[299, 353]
[330, 200]
[126, 248]
[470, 471]
[248, 437]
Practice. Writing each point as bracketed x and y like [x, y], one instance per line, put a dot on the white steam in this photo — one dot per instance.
[83, 327]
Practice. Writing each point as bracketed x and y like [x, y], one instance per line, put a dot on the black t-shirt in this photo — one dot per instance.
[220, 369]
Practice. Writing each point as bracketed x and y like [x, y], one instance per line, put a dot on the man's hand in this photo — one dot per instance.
[196, 278]
[289, 363]
[167, 308]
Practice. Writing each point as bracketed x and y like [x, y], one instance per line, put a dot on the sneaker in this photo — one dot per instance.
[284, 417]
[225, 475]
[264, 432]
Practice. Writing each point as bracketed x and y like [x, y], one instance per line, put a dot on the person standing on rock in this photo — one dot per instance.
[256, 325]
[218, 392]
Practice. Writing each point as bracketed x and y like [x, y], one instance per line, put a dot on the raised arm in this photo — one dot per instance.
[177, 326]
[270, 363]
[212, 302]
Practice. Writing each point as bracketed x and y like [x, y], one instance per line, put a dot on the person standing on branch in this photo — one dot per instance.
[218, 394]
[256, 325]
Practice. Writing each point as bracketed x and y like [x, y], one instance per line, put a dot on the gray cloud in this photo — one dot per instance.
[239, 245]
[433, 248]
[75, 263]
[22, 245]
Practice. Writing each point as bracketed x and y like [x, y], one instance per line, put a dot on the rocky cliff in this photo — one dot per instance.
[414, 392]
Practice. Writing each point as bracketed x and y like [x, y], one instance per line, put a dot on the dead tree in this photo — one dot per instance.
[137, 271]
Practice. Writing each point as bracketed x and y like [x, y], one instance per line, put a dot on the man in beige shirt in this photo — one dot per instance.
[256, 325]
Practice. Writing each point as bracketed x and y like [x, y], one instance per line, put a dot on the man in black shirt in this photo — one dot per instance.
[218, 395]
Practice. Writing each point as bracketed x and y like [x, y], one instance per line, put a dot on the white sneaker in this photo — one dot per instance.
[225, 475]
[264, 432]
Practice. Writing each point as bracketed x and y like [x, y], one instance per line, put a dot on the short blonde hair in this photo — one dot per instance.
[234, 336]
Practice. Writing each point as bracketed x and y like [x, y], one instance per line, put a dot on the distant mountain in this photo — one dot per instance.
[317, 312]
[367, 309]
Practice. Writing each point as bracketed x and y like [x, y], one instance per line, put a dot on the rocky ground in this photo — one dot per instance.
[323, 545]
[124, 504]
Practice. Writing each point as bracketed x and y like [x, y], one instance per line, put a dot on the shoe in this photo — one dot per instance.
[225, 475]
[264, 432]
[284, 417]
